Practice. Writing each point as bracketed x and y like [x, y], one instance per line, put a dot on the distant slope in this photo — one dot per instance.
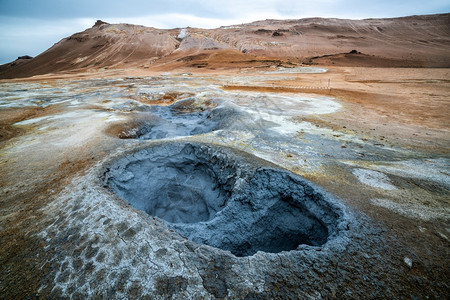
[103, 45]
[419, 41]
[425, 38]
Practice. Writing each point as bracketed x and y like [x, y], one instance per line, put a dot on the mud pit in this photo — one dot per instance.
[212, 198]
[178, 119]
[64, 235]
[186, 117]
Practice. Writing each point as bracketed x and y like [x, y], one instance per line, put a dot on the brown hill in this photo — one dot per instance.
[416, 38]
[416, 41]
[102, 46]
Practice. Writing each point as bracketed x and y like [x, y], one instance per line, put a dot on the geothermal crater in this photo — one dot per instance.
[225, 199]
[185, 117]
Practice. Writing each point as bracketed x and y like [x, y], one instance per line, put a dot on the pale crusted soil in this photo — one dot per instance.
[57, 239]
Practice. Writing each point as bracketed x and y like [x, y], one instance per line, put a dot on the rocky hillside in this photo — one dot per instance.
[416, 41]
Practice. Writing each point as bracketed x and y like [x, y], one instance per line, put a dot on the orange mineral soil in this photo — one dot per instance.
[384, 149]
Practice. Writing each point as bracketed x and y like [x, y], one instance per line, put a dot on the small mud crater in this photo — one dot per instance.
[185, 117]
[224, 198]
[162, 98]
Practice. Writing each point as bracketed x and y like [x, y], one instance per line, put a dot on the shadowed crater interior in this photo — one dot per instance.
[226, 199]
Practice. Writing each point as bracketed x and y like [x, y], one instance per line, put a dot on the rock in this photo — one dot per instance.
[99, 23]
[408, 262]
[25, 57]
[263, 31]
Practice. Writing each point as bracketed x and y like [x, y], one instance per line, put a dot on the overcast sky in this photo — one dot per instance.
[28, 27]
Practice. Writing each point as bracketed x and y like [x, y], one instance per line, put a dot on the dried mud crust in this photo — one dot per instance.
[100, 246]
[207, 196]
[9, 116]
[94, 245]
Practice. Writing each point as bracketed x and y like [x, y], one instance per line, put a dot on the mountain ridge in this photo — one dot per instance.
[411, 41]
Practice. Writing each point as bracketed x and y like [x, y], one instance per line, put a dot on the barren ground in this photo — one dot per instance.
[377, 138]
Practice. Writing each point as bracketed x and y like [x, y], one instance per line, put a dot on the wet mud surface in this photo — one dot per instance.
[175, 186]
[212, 198]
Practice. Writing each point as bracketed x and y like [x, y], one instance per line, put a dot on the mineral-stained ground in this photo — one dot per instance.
[234, 185]
[210, 172]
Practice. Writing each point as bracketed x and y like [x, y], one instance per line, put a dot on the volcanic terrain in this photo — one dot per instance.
[280, 159]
